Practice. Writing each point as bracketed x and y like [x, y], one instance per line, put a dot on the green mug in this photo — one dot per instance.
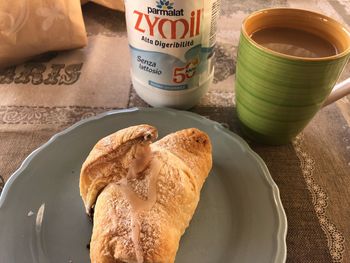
[277, 94]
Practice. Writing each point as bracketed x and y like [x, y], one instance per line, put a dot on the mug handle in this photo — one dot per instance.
[339, 91]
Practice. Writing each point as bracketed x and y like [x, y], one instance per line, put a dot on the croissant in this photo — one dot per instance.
[142, 194]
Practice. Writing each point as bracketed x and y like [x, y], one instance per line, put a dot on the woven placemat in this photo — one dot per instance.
[313, 181]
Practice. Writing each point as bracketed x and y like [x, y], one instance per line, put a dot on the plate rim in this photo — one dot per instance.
[281, 252]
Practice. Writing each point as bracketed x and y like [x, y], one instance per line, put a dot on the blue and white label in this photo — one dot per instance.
[172, 42]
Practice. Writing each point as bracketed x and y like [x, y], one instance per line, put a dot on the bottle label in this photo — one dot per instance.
[172, 42]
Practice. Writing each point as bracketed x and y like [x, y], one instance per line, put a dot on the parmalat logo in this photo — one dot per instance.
[165, 8]
[165, 5]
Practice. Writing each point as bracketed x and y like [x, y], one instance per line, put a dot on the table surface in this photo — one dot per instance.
[312, 172]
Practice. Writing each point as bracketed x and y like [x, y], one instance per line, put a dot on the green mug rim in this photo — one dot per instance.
[281, 55]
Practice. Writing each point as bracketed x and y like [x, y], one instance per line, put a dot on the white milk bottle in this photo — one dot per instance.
[172, 49]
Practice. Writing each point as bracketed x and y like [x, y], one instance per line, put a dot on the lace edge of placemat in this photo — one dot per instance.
[335, 239]
[36, 115]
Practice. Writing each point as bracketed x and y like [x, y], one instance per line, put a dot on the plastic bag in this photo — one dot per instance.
[32, 27]
[113, 4]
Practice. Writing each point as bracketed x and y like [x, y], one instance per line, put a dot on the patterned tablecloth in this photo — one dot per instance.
[42, 97]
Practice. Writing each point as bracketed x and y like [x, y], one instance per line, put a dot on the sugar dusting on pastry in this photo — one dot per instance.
[109, 160]
[107, 141]
[150, 192]
[143, 158]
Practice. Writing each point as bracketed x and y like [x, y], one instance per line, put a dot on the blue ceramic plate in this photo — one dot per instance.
[240, 217]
